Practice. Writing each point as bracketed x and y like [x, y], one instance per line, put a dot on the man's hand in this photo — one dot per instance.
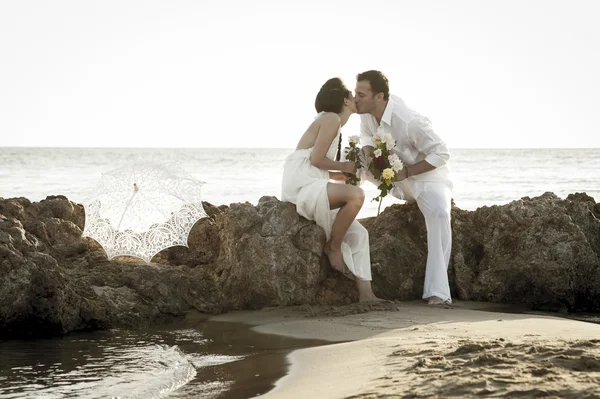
[401, 175]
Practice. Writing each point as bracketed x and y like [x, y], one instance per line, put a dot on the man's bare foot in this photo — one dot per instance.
[336, 260]
[434, 300]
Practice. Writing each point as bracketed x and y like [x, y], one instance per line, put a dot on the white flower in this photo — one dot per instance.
[378, 138]
[389, 141]
[395, 162]
[377, 153]
[397, 165]
[353, 139]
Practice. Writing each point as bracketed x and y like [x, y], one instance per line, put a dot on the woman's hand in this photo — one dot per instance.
[348, 167]
[365, 154]
[338, 176]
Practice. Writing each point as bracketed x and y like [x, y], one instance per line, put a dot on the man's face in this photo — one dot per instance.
[365, 99]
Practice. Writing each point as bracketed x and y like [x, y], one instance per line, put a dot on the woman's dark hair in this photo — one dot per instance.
[331, 96]
[378, 81]
[331, 99]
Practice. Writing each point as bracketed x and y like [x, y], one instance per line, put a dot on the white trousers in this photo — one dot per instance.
[434, 203]
[434, 199]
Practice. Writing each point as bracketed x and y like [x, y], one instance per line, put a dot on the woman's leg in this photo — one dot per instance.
[349, 199]
[357, 238]
[365, 291]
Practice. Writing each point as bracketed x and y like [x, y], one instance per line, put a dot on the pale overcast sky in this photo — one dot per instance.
[184, 73]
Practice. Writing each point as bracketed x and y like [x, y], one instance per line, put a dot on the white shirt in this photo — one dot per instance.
[415, 139]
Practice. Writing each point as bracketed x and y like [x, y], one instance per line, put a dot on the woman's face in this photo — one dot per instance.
[350, 102]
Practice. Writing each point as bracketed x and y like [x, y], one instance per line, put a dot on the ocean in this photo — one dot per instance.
[190, 359]
[213, 360]
[481, 177]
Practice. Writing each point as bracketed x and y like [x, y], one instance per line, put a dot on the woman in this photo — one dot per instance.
[333, 206]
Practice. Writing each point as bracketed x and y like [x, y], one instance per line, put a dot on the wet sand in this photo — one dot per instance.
[262, 359]
[410, 350]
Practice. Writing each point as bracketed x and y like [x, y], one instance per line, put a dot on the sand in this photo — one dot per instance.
[411, 350]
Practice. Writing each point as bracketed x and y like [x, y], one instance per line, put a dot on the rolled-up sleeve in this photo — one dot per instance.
[366, 135]
[426, 141]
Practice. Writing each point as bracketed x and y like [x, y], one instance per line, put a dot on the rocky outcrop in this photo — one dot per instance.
[541, 252]
[240, 257]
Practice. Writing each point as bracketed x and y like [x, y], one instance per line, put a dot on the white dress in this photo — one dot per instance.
[306, 186]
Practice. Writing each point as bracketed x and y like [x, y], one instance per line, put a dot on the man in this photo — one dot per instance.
[425, 176]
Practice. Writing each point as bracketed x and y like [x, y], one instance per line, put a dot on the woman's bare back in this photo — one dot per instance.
[309, 138]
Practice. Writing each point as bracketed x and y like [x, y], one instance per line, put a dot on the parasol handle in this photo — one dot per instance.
[135, 191]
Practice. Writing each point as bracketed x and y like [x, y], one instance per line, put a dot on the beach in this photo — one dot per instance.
[537, 252]
[411, 350]
[148, 249]
[403, 348]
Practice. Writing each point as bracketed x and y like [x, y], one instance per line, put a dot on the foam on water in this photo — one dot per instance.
[150, 371]
[105, 364]
[188, 359]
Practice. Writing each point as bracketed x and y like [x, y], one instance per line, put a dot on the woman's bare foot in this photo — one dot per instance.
[335, 258]
[371, 298]
[365, 292]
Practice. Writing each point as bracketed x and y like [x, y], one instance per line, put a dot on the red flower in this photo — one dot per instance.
[380, 163]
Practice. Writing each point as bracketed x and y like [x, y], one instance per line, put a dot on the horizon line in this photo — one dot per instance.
[275, 148]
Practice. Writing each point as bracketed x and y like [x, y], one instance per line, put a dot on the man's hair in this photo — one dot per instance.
[378, 81]
[331, 96]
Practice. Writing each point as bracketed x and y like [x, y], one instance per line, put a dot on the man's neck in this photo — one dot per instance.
[378, 112]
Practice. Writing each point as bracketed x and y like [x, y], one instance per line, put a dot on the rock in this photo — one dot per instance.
[542, 252]
[240, 257]
[35, 297]
[266, 257]
[398, 240]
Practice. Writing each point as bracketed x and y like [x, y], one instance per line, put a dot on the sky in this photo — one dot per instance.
[238, 73]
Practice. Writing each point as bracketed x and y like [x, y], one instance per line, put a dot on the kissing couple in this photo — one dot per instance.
[313, 179]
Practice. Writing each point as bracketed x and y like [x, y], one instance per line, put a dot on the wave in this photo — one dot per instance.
[148, 372]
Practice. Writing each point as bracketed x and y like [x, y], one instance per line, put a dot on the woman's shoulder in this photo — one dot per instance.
[329, 118]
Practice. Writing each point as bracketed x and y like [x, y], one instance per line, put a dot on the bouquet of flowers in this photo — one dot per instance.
[384, 164]
[353, 154]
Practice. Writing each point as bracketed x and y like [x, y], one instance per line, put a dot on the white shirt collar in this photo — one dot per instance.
[387, 114]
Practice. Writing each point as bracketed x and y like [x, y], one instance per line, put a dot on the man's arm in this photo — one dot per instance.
[426, 141]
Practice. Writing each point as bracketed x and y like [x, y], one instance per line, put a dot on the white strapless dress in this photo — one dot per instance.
[306, 186]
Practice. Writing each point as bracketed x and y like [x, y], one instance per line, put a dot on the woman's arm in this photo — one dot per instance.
[328, 130]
